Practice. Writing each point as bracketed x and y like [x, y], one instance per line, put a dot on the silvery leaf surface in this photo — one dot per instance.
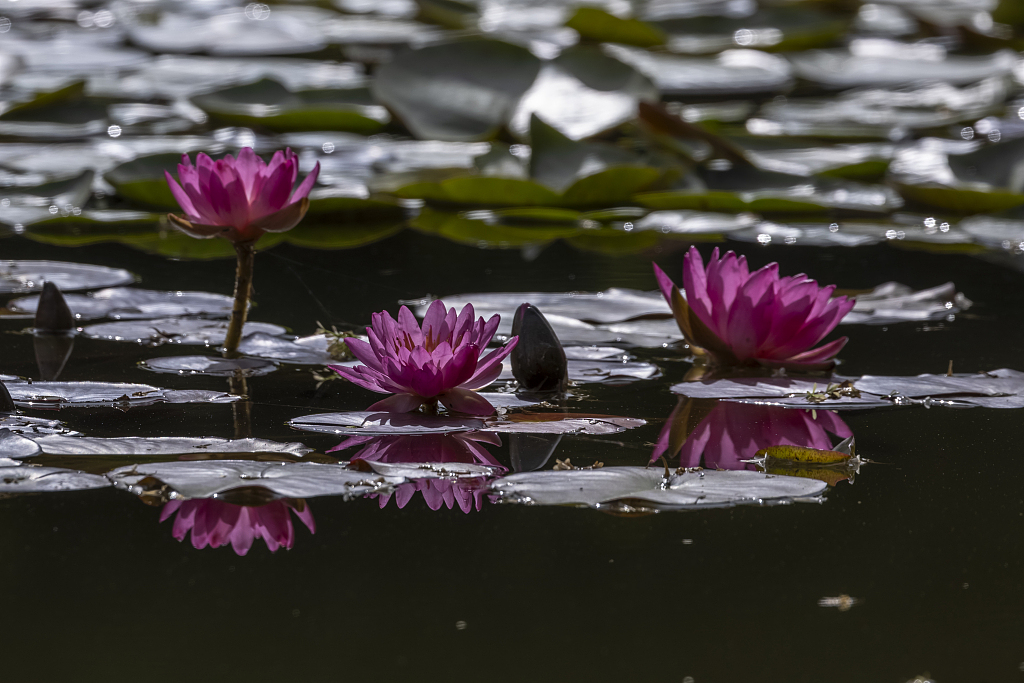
[174, 331]
[47, 480]
[431, 470]
[70, 394]
[209, 365]
[128, 303]
[310, 350]
[31, 426]
[890, 64]
[732, 72]
[537, 424]
[381, 423]
[610, 306]
[602, 486]
[599, 371]
[55, 444]
[29, 276]
[205, 479]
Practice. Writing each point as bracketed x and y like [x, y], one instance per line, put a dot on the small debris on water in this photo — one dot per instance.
[842, 603]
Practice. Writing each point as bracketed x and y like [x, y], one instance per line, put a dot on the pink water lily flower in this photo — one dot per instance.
[439, 362]
[465, 447]
[240, 199]
[739, 318]
[733, 432]
[215, 523]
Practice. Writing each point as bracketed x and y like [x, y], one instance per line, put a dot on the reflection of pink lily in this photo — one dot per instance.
[464, 447]
[215, 523]
[733, 432]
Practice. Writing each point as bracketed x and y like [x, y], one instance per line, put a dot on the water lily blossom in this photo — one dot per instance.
[421, 366]
[739, 318]
[215, 523]
[239, 200]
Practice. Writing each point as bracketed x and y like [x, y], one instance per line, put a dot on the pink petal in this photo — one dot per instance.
[460, 400]
[306, 186]
[398, 403]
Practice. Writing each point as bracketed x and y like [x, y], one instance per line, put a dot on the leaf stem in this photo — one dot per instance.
[246, 253]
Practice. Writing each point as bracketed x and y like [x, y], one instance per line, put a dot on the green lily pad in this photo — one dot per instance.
[960, 200]
[727, 202]
[141, 181]
[447, 13]
[480, 233]
[268, 104]
[73, 90]
[463, 90]
[313, 234]
[938, 173]
[537, 214]
[773, 29]
[615, 242]
[601, 27]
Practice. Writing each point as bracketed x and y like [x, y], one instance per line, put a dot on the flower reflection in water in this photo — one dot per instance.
[466, 492]
[215, 523]
[730, 433]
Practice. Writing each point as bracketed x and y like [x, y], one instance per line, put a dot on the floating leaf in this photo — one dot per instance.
[301, 351]
[996, 389]
[379, 423]
[269, 104]
[209, 365]
[47, 480]
[284, 30]
[648, 488]
[773, 29]
[128, 303]
[878, 62]
[463, 90]
[174, 331]
[29, 276]
[206, 479]
[75, 394]
[733, 72]
[958, 176]
[612, 305]
[30, 426]
[600, 26]
[583, 92]
[54, 444]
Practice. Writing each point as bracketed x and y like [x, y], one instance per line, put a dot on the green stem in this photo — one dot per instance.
[246, 253]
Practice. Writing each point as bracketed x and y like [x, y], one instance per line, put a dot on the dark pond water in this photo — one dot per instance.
[857, 143]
